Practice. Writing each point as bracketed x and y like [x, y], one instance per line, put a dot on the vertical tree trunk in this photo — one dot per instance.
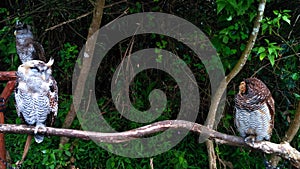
[86, 62]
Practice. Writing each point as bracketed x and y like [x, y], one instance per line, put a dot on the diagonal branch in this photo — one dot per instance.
[290, 134]
[284, 150]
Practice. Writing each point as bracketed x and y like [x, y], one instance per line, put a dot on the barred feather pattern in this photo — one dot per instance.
[36, 95]
[27, 48]
[254, 107]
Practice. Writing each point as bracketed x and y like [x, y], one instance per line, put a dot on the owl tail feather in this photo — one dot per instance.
[38, 138]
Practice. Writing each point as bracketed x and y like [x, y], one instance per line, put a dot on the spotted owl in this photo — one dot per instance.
[27, 48]
[36, 95]
[254, 110]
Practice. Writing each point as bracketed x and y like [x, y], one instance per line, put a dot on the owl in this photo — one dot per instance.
[27, 48]
[254, 110]
[36, 95]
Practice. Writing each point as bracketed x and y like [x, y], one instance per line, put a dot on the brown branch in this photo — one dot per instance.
[289, 135]
[82, 16]
[284, 150]
[7, 76]
[71, 20]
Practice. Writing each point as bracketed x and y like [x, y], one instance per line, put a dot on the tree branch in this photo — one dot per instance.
[284, 150]
[289, 135]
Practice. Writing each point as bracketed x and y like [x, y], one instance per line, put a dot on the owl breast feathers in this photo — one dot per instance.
[27, 48]
[254, 110]
[36, 95]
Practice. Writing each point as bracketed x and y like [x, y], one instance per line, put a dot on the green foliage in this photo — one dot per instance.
[7, 45]
[68, 55]
[227, 23]
[233, 8]
[56, 157]
[271, 51]
[274, 24]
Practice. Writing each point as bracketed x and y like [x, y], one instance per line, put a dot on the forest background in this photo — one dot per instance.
[62, 27]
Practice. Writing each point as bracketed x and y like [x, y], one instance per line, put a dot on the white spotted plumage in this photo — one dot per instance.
[36, 95]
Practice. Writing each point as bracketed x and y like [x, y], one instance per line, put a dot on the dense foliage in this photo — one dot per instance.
[275, 59]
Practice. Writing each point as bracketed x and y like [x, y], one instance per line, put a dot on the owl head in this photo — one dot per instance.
[242, 87]
[22, 30]
[36, 69]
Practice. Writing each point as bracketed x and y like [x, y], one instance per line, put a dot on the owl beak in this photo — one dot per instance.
[43, 76]
[15, 33]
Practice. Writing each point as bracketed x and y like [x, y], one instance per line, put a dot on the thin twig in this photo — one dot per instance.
[71, 20]
[293, 26]
[282, 58]
[116, 3]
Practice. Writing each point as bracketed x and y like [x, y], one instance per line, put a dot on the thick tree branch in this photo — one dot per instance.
[289, 135]
[284, 150]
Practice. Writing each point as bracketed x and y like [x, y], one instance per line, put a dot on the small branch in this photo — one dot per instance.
[284, 150]
[282, 58]
[113, 4]
[71, 20]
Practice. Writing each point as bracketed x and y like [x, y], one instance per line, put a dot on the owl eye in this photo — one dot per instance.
[35, 69]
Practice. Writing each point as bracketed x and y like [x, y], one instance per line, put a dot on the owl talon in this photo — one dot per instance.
[37, 127]
[250, 140]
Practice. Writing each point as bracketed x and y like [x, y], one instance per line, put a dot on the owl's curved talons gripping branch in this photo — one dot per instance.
[283, 150]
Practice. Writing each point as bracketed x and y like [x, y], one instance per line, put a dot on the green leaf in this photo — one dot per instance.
[272, 59]
[229, 18]
[262, 56]
[225, 39]
[261, 50]
[233, 3]
[295, 76]
[297, 96]
[68, 153]
[221, 6]
[286, 19]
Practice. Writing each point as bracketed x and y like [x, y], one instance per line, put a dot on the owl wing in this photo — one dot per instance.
[24, 103]
[18, 100]
[38, 53]
[271, 106]
[53, 99]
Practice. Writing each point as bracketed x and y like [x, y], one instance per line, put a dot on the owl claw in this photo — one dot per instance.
[250, 140]
[39, 126]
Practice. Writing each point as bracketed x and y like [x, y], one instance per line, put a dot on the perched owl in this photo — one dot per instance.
[254, 110]
[27, 48]
[36, 95]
